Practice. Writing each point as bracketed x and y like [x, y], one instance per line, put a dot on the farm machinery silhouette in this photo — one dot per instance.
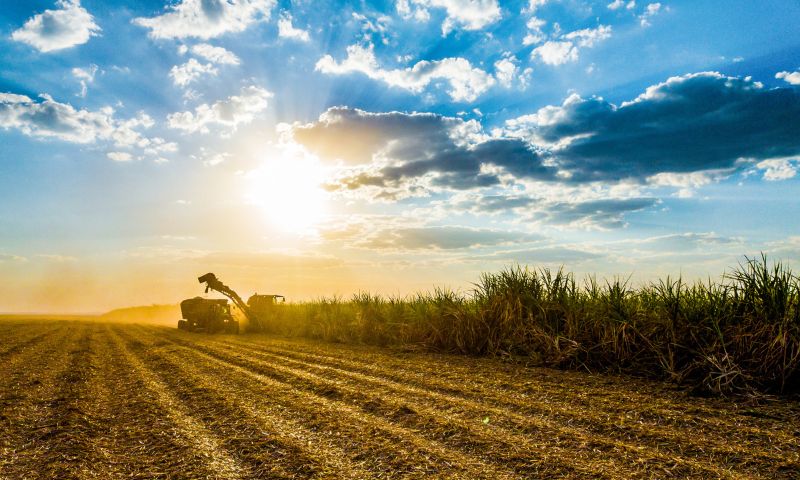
[214, 315]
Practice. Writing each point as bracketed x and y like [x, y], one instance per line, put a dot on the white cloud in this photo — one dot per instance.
[231, 112]
[158, 146]
[9, 98]
[617, 4]
[190, 71]
[215, 159]
[505, 71]
[534, 5]
[53, 30]
[419, 14]
[47, 118]
[465, 14]
[120, 156]
[466, 82]
[790, 77]
[650, 12]
[287, 30]
[206, 18]
[377, 26]
[778, 169]
[535, 33]
[556, 53]
[214, 54]
[559, 52]
[588, 37]
[85, 76]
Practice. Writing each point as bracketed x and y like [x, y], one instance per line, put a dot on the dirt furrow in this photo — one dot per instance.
[134, 438]
[217, 459]
[396, 449]
[30, 387]
[32, 335]
[515, 415]
[479, 379]
[579, 396]
[455, 422]
[272, 446]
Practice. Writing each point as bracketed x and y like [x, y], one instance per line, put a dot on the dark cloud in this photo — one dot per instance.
[692, 123]
[444, 238]
[698, 122]
[414, 145]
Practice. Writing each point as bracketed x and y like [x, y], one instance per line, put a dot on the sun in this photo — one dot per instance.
[289, 190]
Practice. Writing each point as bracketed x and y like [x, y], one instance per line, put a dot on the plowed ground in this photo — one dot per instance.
[93, 400]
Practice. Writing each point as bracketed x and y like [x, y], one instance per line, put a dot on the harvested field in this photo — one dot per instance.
[82, 399]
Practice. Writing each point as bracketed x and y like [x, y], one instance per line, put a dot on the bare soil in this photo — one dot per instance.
[83, 399]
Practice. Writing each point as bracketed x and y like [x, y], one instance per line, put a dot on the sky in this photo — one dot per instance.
[323, 148]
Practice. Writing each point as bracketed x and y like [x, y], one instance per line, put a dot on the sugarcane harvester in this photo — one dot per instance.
[214, 315]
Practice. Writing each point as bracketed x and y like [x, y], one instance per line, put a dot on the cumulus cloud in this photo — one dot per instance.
[778, 168]
[697, 122]
[617, 4]
[533, 6]
[287, 30]
[650, 11]
[213, 54]
[792, 78]
[559, 52]
[190, 71]
[52, 30]
[230, 113]
[535, 34]
[48, 118]
[506, 70]
[206, 18]
[395, 153]
[85, 76]
[464, 14]
[556, 53]
[120, 156]
[466, 82]
[588, 37]
[374, 26]
[682, 133]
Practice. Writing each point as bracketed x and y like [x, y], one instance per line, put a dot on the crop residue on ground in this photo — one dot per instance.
[96, 400]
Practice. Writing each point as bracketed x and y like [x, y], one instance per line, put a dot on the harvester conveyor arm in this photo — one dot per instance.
[212, 283]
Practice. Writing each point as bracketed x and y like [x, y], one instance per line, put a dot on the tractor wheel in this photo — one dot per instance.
[183, 325]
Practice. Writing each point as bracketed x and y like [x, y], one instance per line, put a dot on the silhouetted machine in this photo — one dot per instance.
[202, 314]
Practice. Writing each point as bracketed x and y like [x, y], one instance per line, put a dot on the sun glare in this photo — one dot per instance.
[289, 191]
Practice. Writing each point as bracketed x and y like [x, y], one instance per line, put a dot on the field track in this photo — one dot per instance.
[94, 400]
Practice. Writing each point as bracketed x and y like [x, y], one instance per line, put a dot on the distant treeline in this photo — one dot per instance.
[738, 335]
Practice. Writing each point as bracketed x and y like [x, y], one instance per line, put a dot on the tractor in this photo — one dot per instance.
[214, 315]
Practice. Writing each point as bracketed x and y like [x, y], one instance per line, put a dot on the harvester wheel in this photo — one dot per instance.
[183, 325]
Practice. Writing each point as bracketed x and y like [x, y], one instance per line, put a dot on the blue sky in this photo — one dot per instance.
[317, 148]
